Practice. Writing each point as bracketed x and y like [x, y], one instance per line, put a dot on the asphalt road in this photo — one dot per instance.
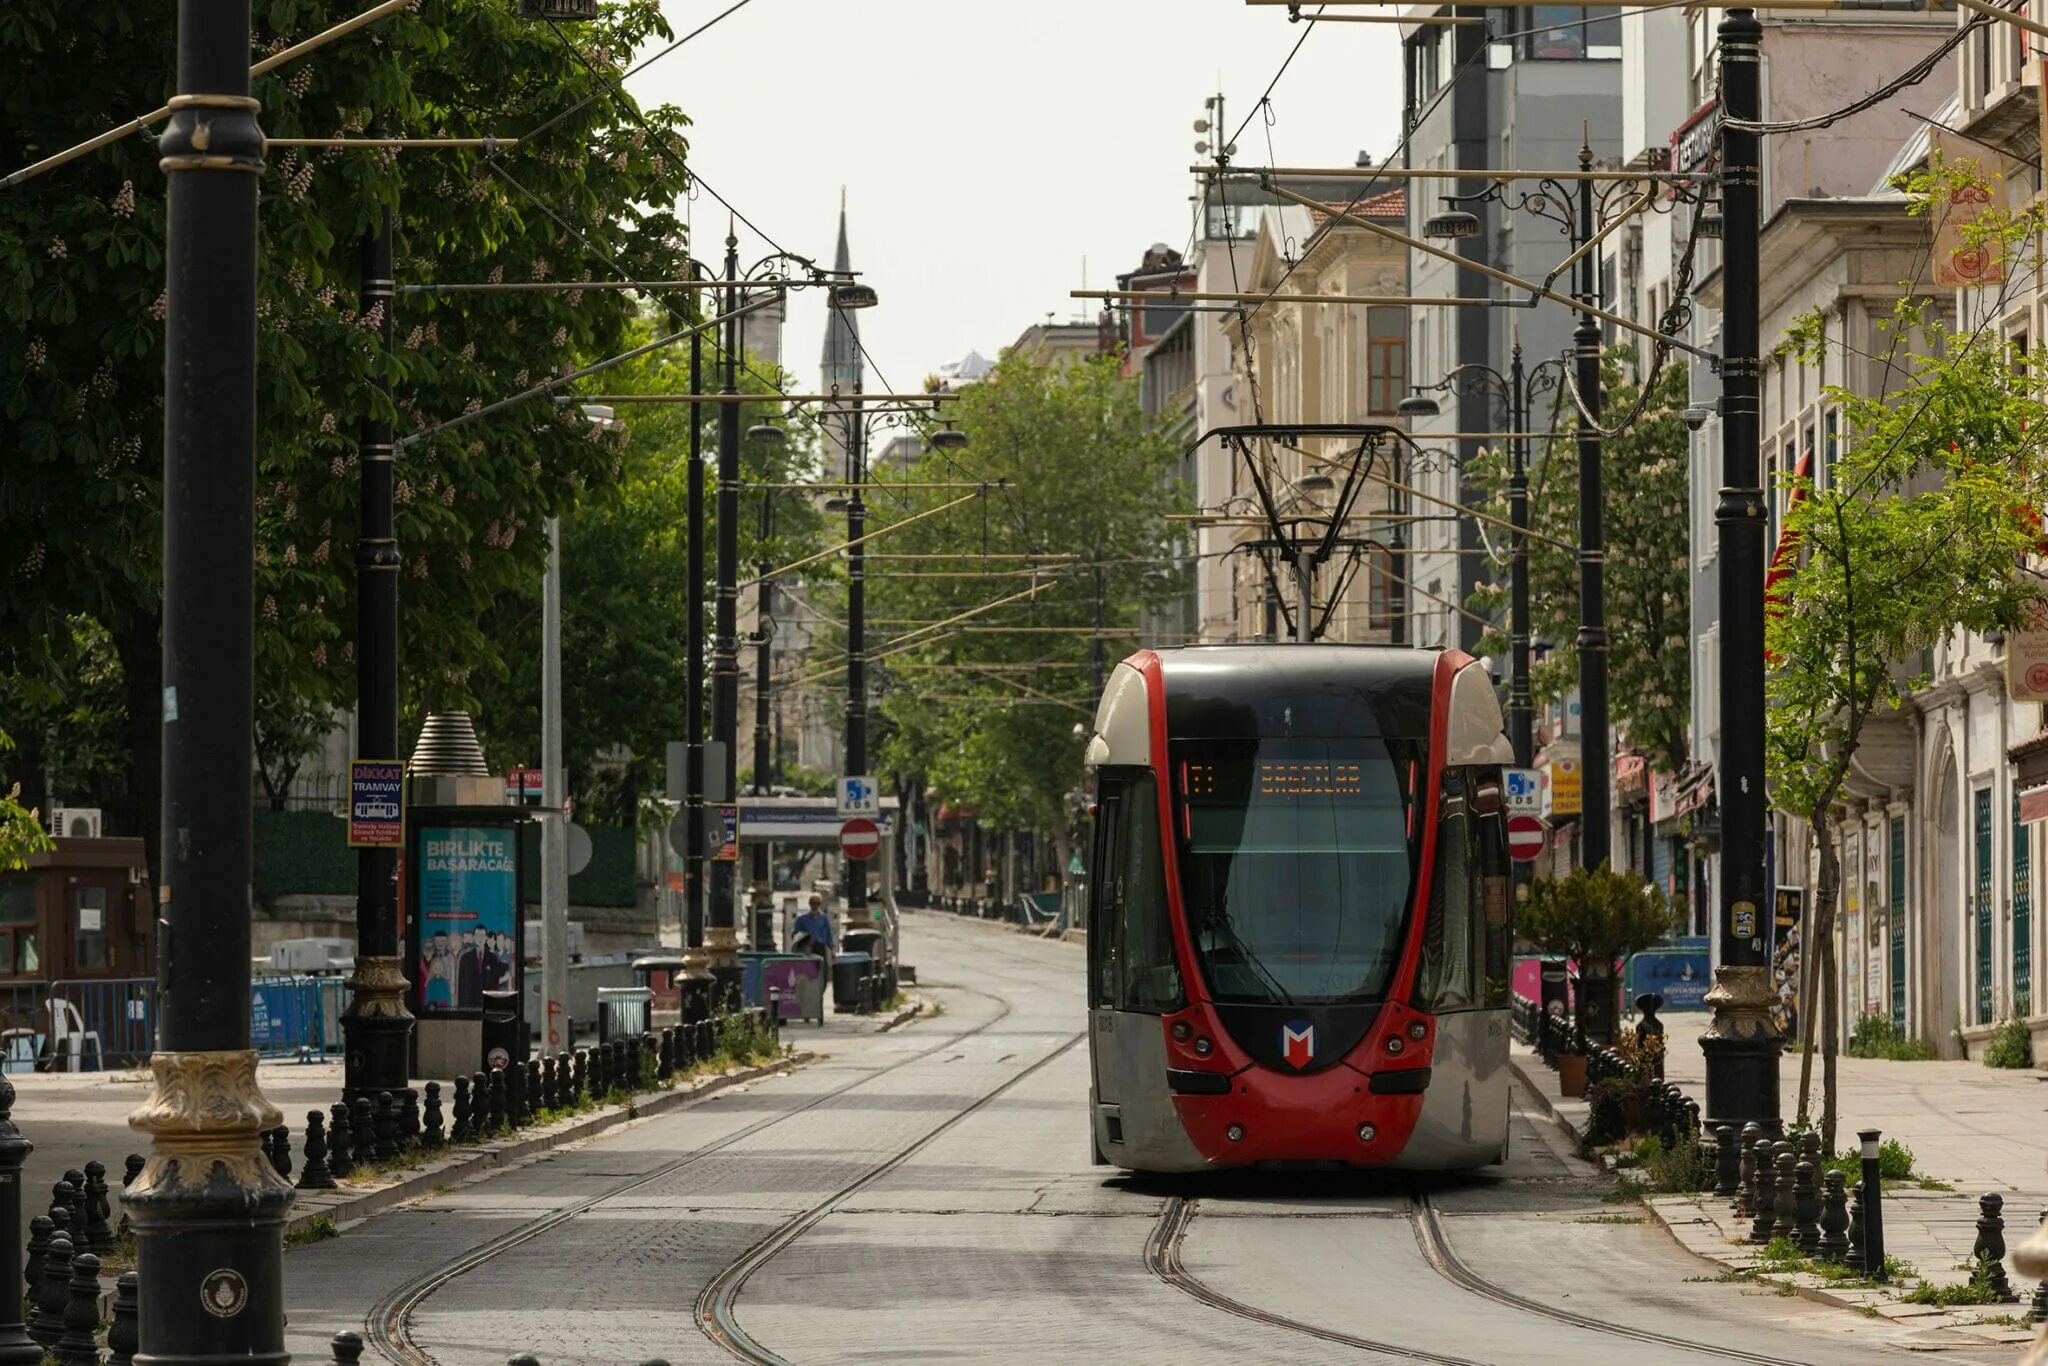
[926, 1195]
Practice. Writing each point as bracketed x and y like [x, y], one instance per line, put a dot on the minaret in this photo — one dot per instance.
[841, 366]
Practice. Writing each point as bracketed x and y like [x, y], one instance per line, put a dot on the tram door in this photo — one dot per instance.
[1135, 975]
[1105, 931]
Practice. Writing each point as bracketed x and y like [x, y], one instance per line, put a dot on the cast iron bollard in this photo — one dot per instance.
[1805, 1208]
[1745, 1174]
[536, 1093]
[515, 1094]
[480, 1125]
[39, 1230]
[131, 1168]
[2040, 1310]
[1727, 1161]
[431, 1135]
[1763, 1201]
[1853, 1258]
[75, 1179]
[281, 1151]
[1785, 1193]
[99, 1209]
[1834, 1218]
[123, 1335]
[362, 1130]
[665, 1059]
[347, 1349]
[579, 1088]
[544, 1069]
[46, 1324]
[314, 1174]
[600, 1072]
[498, 1110]
[461, 1134]
[388, 1127]
[409, 1129]
[1989, 1250]
[340, 1140]
[1873, 1205]
[77, 1345]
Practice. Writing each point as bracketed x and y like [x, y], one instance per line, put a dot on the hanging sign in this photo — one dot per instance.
[2026, 657]
[376, 792]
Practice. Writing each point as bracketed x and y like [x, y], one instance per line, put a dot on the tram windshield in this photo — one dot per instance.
[1297, 857]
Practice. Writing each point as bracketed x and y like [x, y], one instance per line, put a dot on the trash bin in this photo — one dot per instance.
[849, 982]
[623, 1012]
[504, 1035]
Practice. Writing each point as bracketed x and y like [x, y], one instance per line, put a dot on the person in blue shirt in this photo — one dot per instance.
[813, 930]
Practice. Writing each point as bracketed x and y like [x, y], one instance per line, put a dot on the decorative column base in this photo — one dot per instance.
[377, 1032]
[208, 1212]
[1742, 1049]
[721, 942]
[696, 985]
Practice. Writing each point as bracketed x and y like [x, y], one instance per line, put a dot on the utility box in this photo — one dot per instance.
[504, 1032]
[623, 1012]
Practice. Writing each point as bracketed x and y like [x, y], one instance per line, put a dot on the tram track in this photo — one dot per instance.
[389, 1323]
[1162, 1258]
[718, 1302]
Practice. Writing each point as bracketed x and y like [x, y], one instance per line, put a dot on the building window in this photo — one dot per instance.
[89, 916]
[1571, 33]
[1423, 69]
[1831, 449]
[18, 928]
[1386, 355]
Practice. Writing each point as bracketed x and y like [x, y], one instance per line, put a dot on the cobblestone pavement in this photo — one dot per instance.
[993, 1239]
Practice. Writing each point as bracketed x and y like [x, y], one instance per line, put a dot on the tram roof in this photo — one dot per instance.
[1335, 691]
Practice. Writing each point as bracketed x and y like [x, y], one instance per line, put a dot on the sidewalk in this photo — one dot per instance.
[1968, 1126]
[76, 1117]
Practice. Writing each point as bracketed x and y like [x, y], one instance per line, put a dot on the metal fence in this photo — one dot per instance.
[295, 1016]
[92, 1024]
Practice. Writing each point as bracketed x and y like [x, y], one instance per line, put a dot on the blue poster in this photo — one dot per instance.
[468, 916]
[1681, 976]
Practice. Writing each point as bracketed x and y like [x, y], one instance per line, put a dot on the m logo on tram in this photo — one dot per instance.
[1298, 1043]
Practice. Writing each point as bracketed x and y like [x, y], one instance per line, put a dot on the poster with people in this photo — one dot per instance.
[468, 916]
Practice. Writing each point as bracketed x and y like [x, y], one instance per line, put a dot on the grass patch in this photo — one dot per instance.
[1977, 1290]
[1875, 1036]
[1629, 1189]
[316, 1230]
[2011, 1045]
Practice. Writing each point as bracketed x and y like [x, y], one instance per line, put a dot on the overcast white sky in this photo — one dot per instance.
[988, 146]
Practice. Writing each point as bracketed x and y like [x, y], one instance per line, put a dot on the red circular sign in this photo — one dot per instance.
[1526, 838]
[859, 838]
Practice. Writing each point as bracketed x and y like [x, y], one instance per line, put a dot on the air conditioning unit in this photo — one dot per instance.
[75, 822]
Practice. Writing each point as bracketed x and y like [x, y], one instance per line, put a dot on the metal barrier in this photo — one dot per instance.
[93, 1023]
[290, 1016]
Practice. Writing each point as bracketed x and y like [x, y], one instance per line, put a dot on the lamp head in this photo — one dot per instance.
[837, 503]
[851, 296]
[1451, 222]
[559, 11]
[1418, 405]
[949, 438]
[1315, 483]
[767, 433]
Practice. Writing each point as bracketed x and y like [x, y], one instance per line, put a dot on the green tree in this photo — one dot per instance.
[1597, 915]
[21, 833]
[1649, 597]
[1079, 515]
[81, 289]
[1921, 528]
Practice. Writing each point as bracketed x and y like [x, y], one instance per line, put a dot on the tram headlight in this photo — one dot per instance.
[1394, 1044]
[1366, 1133]
[1235, 1133]
[1418, 1031]
[1181, 1030]
[1203, 1047]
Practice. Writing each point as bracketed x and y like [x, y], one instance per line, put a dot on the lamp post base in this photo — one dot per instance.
[376, 1030]
[208, 1211]
[1742, 1050]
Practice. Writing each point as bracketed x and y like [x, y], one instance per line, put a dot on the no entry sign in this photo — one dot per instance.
[859, 838]
[1525, 838]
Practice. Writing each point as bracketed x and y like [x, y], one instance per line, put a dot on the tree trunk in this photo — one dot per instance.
[138, 644]
[1821, 949]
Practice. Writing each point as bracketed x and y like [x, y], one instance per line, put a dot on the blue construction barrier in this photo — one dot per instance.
[294, 1016]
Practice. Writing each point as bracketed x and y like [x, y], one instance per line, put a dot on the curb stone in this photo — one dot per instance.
[347, 1208]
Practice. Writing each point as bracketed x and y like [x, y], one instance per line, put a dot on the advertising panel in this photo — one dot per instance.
[467, 940]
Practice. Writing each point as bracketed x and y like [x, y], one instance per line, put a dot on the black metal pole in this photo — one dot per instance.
[1873, 1201]
[1595, 769]
[697, 982]
[856, 646]
[377, 1026]
[764, 759]
[208, 1208]
[1096, 661]
[16, 1347]
[719, 934]
[1741, 1043]
[1521, 701]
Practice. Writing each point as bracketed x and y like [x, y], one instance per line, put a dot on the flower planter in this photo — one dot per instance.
[1571, 1074]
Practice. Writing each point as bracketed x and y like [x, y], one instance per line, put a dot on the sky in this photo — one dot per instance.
[993, 151]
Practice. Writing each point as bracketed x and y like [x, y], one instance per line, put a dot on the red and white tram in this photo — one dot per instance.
[1299, 926]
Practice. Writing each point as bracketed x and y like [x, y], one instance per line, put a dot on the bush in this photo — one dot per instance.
[1684, 1168]
[742, 1040]
[1894, 1162]
[2011, 1043]
[1875, 1036]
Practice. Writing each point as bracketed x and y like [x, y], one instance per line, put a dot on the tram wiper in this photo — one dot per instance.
[1228, 932]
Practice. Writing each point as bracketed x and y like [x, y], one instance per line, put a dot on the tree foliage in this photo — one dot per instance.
[1596, 915]
[81, 289]
[1922, 528]
[1649, 592]
[1075, 467]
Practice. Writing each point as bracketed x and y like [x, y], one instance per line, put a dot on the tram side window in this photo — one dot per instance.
[1151, 969]
[1446, 978]
[1104, 876]
[1494, 882]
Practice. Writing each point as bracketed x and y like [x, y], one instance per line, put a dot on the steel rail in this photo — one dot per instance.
[1437, 1251]
[1162, 1258]
[717, 1301]
[389, 1323]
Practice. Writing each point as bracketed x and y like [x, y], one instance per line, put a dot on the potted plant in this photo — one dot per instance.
[1595, 917]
